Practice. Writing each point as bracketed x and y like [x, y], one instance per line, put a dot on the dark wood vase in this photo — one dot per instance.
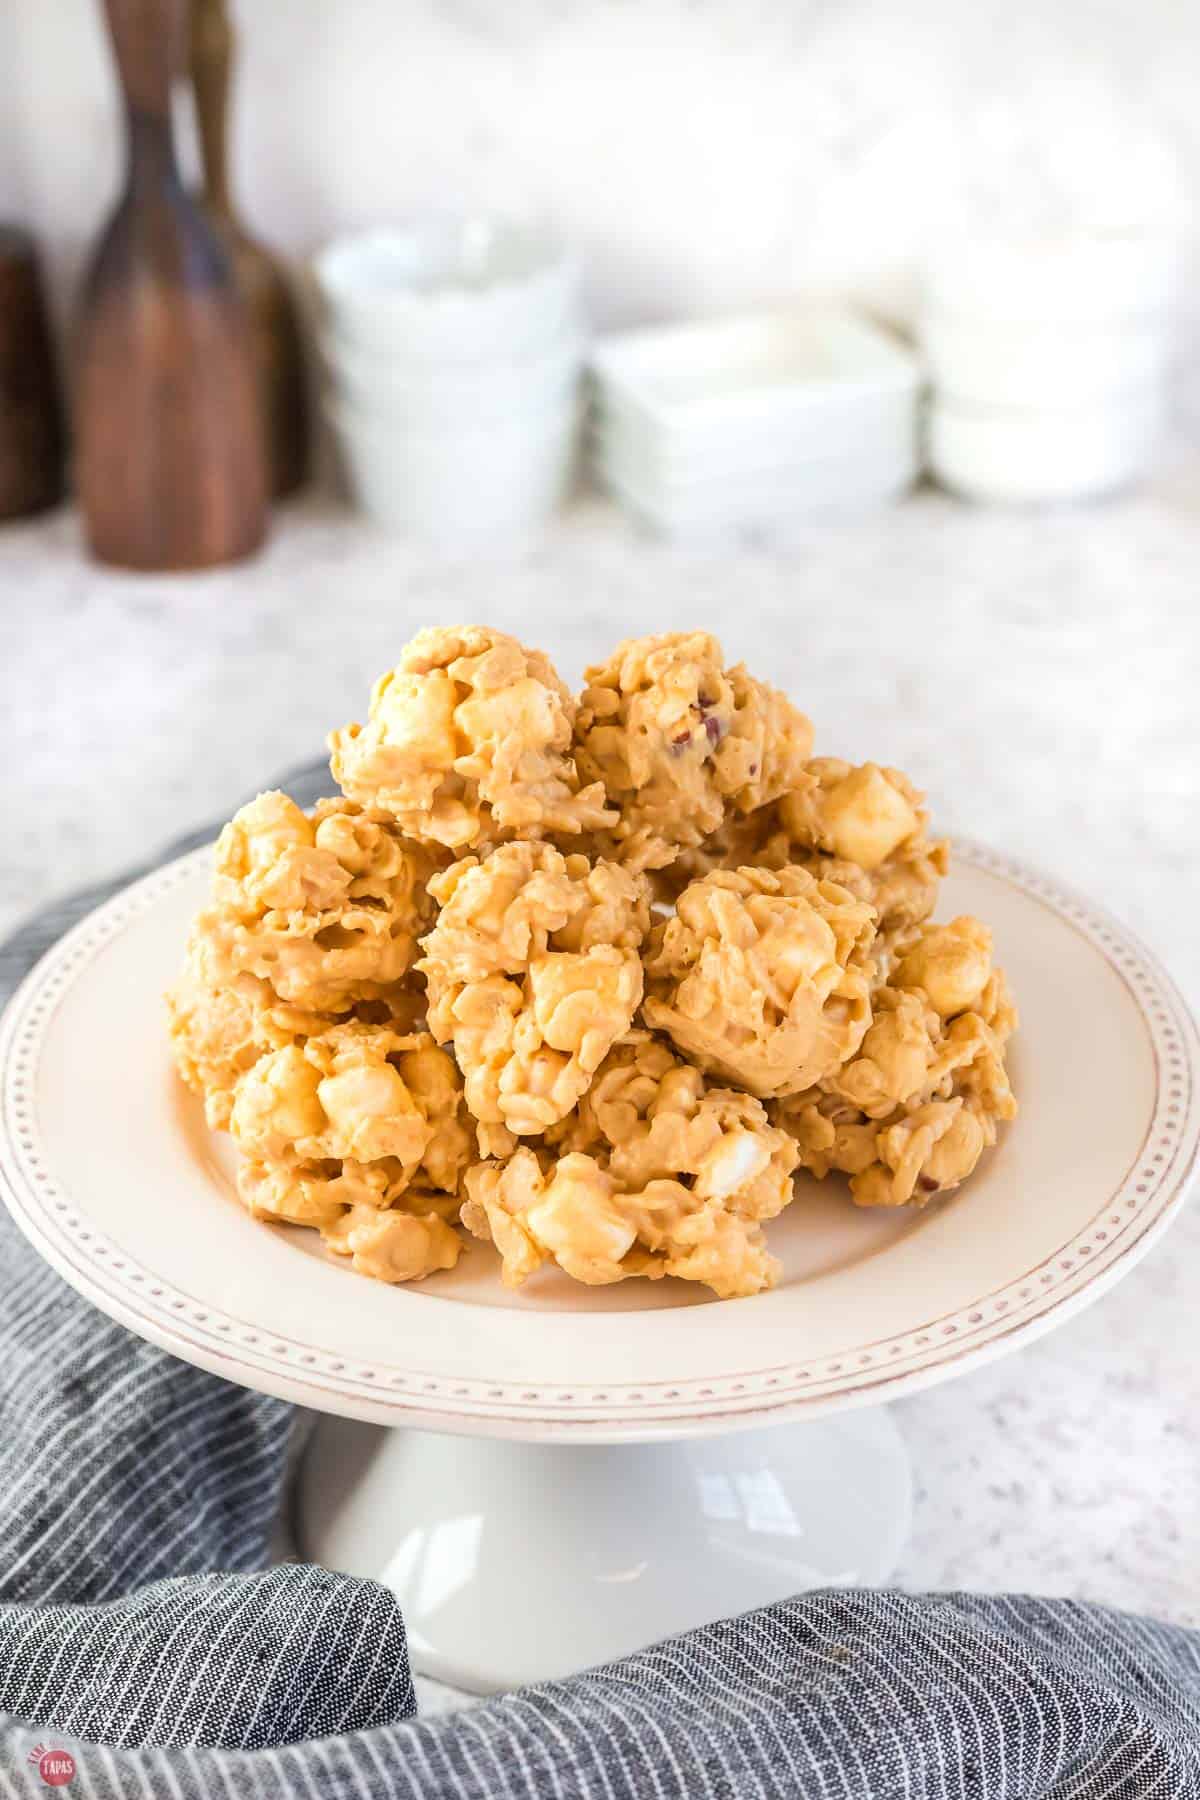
[278, 351]
[31, 433]
[170, 452]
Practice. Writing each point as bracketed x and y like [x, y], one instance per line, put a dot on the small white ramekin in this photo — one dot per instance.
[448, 289]
[1037, 456]
[984, 362]
[450, 485]
[436, 394]
[1087, 276]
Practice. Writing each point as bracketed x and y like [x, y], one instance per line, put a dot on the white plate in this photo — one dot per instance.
[108, 1169]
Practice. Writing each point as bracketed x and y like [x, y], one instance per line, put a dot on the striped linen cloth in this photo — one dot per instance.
[149, 1649]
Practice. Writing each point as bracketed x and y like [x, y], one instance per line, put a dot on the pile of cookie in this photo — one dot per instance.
[587, 978]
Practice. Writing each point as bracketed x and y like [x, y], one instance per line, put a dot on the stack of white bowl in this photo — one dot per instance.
[453, 353]
[1048, 360]
[750, 424]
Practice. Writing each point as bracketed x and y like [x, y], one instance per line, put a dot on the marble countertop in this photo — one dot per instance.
[1037, 673]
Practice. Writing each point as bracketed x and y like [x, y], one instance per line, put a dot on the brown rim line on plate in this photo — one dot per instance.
[702, 1367]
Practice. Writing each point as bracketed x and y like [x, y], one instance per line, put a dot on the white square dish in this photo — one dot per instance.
[804, 366]
[887, 437]
[768, 510]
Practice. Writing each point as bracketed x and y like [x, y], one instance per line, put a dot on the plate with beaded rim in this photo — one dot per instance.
[108, 1168]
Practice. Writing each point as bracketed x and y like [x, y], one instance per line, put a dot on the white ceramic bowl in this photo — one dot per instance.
[1031, 456]
[460, 484]
[458, 289]
[1098, 276]
[1041, 362]
[435, 395]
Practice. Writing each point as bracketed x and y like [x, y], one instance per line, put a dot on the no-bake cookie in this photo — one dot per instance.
[763, 977]
[468, 742]
[657, 1173]
[680, 743]
[533, 973]
[910, 1115]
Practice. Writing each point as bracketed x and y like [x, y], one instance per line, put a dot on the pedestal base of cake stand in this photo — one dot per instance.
[521, 1562]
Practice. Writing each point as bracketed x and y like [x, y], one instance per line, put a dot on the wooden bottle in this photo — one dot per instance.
[171, 460]
[31, 433]
[277, 347]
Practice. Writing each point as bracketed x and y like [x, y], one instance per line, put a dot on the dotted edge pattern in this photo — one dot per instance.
[1128, 1220]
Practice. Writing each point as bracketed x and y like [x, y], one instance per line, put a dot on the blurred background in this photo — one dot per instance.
[701, 154]
[863, 333]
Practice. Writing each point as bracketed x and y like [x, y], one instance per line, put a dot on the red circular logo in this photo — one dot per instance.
[56, 1767]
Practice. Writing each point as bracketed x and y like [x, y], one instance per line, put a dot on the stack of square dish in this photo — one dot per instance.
[748, 424]
[1048, 356]
[453, 352]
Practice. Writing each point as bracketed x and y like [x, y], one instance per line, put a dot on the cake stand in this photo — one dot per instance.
[553, 1477]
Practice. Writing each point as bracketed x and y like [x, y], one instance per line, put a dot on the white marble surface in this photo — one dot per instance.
[1038, 673]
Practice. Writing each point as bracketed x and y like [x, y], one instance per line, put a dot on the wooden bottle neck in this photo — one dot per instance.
[211, 57]
[150, 145]
[147, 40]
